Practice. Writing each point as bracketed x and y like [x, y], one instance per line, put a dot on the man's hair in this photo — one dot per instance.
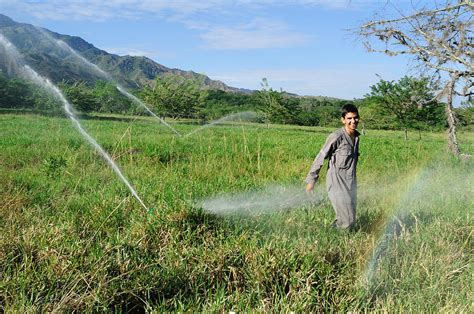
[348, 108]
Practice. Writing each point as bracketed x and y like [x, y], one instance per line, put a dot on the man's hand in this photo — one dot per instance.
[309, 187]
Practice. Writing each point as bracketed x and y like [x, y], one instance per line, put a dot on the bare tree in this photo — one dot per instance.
[441, 39]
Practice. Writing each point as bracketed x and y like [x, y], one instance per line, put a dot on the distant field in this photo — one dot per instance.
[73, 237]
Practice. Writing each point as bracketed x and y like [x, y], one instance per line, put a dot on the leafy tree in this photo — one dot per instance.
[372, 116]
[45, 101]
[407, 100]
[465, 114]
[110, 99]
[15, 93]
[319, 111]
[309, 117]
[199, 107]
[81, 97]
[277, 107]
[220, 103]
[176, 97]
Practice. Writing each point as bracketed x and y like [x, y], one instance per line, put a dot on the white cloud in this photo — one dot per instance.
[133, 51]
[98, 10]
[205, 17]
[259, 33]
[61, 10]
[197, 15]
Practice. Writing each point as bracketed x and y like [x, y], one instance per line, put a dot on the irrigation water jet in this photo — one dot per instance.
[84, 60]
[107, 76]
[29, 73]
[246, 116]
[119, 88]
[271, 198]
[12, 57]
[138, 101]
[64, 46]
[240, 116]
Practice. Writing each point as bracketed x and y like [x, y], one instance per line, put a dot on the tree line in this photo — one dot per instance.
[404, 104]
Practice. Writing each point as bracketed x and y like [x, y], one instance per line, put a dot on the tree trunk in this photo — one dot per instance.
[452, 139]
[406, 134]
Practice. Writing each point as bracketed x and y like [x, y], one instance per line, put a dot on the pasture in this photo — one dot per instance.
[74, 238]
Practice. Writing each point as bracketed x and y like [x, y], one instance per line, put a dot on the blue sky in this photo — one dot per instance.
[301, 46]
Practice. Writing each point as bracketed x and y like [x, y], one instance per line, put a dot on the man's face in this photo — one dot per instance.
[351, 120]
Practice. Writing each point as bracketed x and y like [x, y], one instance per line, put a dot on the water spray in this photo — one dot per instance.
[38, 79]
[84, 60]
[107, 76]
[67, 107]
[245, 115]
[272, 198]
[138, 101]
[394, 226]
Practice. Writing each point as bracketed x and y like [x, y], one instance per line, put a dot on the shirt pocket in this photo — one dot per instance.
[344, 158]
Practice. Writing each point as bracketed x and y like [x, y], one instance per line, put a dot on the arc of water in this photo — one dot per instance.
[135, 99]
[107, 76]
[38, 79]
[231, 117]
[271, 198]
[67, 107]
[84, 60]
[119, 88]
[64, 45]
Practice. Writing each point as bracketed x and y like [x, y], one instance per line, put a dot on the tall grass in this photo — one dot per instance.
[73, 238]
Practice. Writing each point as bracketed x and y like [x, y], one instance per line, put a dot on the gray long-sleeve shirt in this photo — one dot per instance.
[343, 154]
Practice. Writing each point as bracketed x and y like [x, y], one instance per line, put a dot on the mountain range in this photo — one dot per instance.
[44, 51]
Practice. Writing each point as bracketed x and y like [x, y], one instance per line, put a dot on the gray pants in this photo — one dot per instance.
[344, 204]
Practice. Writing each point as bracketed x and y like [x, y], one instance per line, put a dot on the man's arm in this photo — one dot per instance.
[325, 152]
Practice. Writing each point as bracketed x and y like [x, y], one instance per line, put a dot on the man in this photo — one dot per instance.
[342, 151]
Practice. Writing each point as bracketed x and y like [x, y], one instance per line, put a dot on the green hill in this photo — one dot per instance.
[42, 51]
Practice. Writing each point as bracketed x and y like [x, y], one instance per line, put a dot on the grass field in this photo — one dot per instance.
[73, 237]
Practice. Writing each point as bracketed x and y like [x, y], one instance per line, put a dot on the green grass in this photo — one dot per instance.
[73, 237]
